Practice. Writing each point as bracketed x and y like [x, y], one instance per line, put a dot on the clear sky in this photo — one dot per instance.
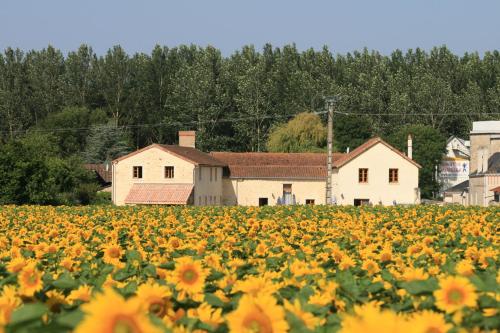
[384, 25]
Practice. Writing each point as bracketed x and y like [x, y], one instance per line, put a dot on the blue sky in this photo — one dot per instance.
[384, 25]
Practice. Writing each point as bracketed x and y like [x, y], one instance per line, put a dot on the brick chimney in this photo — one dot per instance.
[187, 139]
[410, 146]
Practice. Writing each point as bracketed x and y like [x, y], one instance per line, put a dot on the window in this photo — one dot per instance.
[309, 201]
[363, 175]
[263, 202]
[199, 173]
[199, 200]
[206, 200]
[137, 172]
[169, 172]
[211, 174]
[361, 202]
[216, 172]
[393, 176]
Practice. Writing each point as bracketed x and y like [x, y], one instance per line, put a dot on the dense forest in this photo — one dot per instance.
[96, 107]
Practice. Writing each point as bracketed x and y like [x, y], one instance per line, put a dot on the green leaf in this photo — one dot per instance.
[122, 275]
[214, 300]
[133, 255]
[70, 319]
[129, 289]
[150, 270]
[375, 287]
[27, 313]
[420, 287]
[65, 281]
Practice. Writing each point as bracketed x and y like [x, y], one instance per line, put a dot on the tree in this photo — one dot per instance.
[32, 173]
[14, 110]
[105, 143]
[70, 127]
[350, 131]
[429, 146]
[304, 133]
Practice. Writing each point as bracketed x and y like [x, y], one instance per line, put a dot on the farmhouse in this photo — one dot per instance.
[375, 172]
[484, 177]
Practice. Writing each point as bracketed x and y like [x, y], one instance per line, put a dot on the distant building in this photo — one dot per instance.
[458, 194]
[103, 174]
[373, 173]
[454, 168]
[484, 177]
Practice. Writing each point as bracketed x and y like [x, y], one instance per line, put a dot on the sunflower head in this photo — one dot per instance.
[30, 280]
[189, 275]
[154, 298]
[257, 314]
[109, 313]
[455, 292]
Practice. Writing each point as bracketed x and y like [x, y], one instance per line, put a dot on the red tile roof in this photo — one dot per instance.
[105, 176]
[163, 194]
[189, 154]
[364, 147]
[275, 165]
[496, 189]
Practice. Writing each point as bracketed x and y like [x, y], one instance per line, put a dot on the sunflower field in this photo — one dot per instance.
[239, 269]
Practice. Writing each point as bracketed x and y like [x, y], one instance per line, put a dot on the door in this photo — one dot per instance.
[287, 194]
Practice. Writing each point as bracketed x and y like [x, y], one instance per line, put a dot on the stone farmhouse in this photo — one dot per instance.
[373, 173]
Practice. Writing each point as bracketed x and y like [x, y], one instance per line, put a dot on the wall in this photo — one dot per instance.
[246, 192]
[480, 189]
[378, 160]
[153, 161]
[208, 190]
[486, 144]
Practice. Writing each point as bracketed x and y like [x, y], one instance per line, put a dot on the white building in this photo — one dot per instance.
[454, 168]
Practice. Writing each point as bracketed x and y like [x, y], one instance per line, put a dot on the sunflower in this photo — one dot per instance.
[346, 263]
[370, 318]
[208, 315]
[109, 312]
[30, 280]
[189, 276]
[465, 267]
[257, 314]
[254, 285]
[112, 254]
[370, 266]
[8, 303]
[16, 265]
[428, 322]
[54, 300]
[455, 293]
[83, 294]
[154, 298]
[307, 318]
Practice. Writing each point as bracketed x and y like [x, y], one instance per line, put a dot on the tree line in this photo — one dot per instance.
[96, 107]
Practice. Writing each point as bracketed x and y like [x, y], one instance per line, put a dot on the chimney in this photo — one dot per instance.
[187, 139]
[410, 147]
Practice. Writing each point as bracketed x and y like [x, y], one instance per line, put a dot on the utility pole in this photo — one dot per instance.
[330, 101]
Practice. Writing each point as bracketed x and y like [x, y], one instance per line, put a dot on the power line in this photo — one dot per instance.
[159, 124]
[417, 114]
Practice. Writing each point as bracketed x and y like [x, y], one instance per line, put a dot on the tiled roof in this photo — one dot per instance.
[105, 176]
[364, 147]
[189, 154]
[163, 194]
[459, 188]
[275, 165]
[496, 189]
